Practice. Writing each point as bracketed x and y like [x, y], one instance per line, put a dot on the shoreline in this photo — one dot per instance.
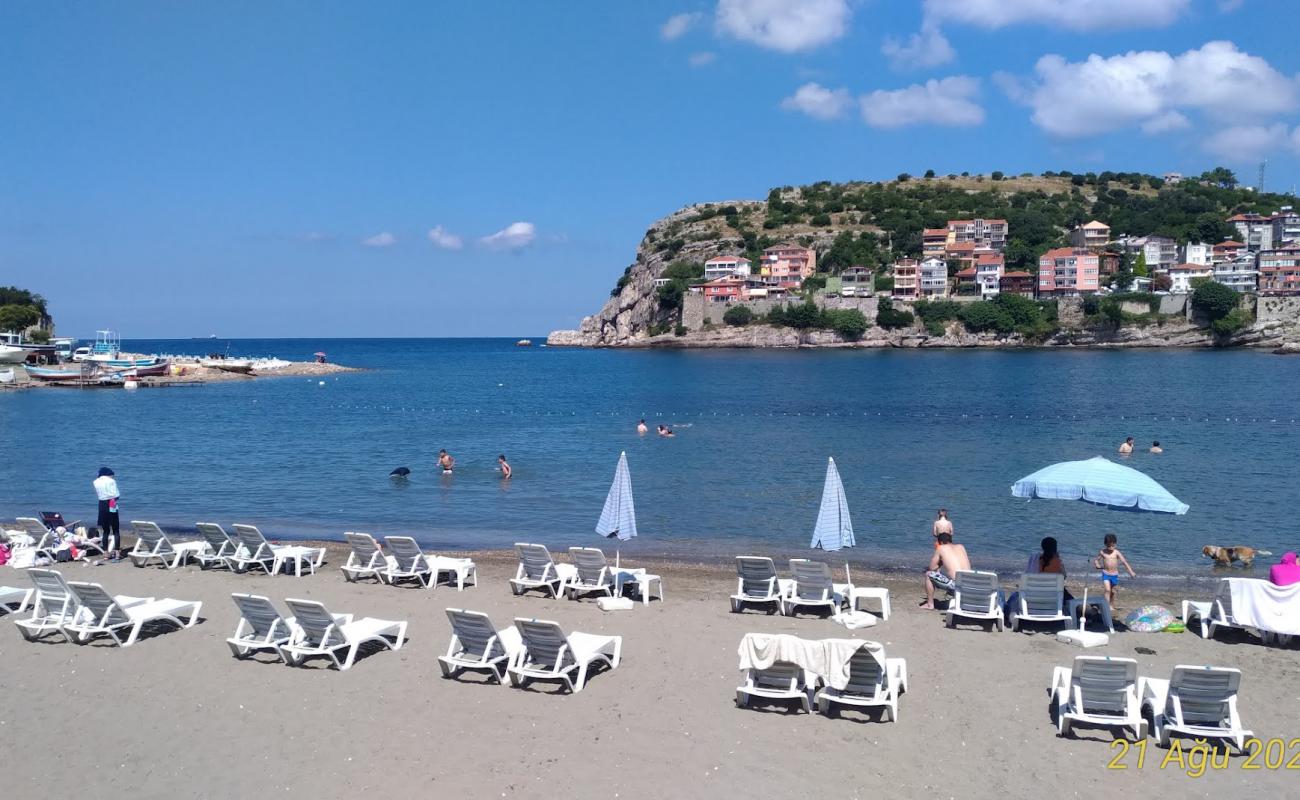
[191, 373]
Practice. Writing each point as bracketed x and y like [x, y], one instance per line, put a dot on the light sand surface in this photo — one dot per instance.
[175, 716]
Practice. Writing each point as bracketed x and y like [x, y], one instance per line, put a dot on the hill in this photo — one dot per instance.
[873, 224]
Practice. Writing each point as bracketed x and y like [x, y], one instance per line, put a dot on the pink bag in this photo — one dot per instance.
[4, 554]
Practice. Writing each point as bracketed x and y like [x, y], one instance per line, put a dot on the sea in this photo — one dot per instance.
[911, 431]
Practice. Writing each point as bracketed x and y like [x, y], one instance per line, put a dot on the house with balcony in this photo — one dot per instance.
[1227, 250]
[988, 273]
[1182, 275]
[1286, 226]
[1279, 271]
[906, 274]
[1199, 253]
[966, 281]
[990, 233]
[1256, 230]
[857, 282]
[933, 242]
[1240, 275]
[932, 278]
[726, 267]
[1091, 236]
[723, 290]
[1067, 272]
[787, 265]
[1160, 252]
[1017, 282]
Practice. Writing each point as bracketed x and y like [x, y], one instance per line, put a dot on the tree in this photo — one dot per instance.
[889, 317]
[849, 323]
[803, 316]
[18, 318]
[738, 316]
[820, 220]
[997, 175]
[929, 173]
[986, 316]
[1215, 300]
[1140, 266]
[903, 177]
[1222, 177]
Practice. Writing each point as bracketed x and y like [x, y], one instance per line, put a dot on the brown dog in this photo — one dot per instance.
[1224, 556]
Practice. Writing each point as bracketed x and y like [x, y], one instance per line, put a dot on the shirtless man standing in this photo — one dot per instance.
[948, 560]
[446, 461]
[941, 525]
[1127, 447]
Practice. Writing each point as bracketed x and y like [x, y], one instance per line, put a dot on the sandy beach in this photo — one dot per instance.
[176, 716]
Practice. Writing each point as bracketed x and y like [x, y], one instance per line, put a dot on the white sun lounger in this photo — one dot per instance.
[317, 632]
[1041, 599]
[1200, 702]
[781, 681]
[256, 550]
[1214, 613]
[975, 598]
[757, 584]
[812, 586]
[537, 570]
[1098, 690]
[592, 573]
[151, 543]
[14, 600]
[53, 606]
[262, 627]
[874, 680]
[220, 546]
[548, 654]
[366, 559]
[42, 537]
[101, 613]
[407, 562]
[476, 645]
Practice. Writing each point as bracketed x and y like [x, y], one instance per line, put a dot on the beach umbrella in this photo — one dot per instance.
[834, 528]
[1101, 481]
[618, 518]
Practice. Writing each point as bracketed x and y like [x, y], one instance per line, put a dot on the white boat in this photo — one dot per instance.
[7, 375]
[12, 355]
[107, 351]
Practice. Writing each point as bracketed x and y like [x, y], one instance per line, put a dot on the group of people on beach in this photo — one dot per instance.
[949, 558]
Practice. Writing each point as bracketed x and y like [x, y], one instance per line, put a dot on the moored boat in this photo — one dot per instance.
[524, 343]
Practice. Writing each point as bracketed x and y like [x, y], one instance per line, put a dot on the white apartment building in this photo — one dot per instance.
[726, 267]
[932, 278]
[1198, 253]
[1255, 230]
[1240, 275]
[1286, 225]
[989, 269]
[1182, 275]
[1160, 252]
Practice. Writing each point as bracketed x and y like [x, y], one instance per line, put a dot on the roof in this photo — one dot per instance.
[1188, 267]
[952, 222]
[1228, 244]
[1095, 225]
[935, 232]
[1247, 218]
[726, 258]
[723, 282]
[961, 247]
[1017, 274]
[785, 246]
[1066, 252]
[989, 258]
[969, 272]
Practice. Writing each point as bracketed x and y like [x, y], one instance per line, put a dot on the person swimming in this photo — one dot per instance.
[642, 429]
[666, 431]
[446, 461]
[504, 466]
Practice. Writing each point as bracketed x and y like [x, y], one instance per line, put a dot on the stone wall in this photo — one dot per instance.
[1278, 309]
[696, 310]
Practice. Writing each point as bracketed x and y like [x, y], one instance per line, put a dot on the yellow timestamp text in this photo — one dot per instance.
[1197, 757]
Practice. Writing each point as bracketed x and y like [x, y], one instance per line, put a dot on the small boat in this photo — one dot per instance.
[241, 366]
[88, 374]
[524, 343]
[9, 354]
[160, 367]
[107, 350]
[7, 376]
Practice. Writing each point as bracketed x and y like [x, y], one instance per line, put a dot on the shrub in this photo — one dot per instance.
[934, 327]
[849, 323]
[986, 316]
[937, 310]
[997, 175]
[1215, 300]
[680, 330]
[738, 316]
[821, 220]
[884, 283]
[803, 316]
[929, 173]
[903, 177]
[889, 317]
[1230, 323]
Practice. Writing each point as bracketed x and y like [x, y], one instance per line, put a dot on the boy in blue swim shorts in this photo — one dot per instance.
[1108, 560]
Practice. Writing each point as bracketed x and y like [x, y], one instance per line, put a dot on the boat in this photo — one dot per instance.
[88, 374]
[524, 343]
[241, 366]
[13, 350]
[7, 375]
[9, 354]
[52, 374]
[150, 370]
[107, 350]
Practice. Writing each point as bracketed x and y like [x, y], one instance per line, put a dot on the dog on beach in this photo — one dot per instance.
[1225, 556]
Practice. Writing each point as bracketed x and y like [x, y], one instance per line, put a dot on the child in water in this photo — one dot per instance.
[1108, 561]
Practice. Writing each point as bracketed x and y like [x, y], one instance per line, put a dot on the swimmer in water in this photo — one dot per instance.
[446, 461]
[1127, 447]
[666, 431]
[641, 428]
[504, 466]
[941, 525]
[1156, 448]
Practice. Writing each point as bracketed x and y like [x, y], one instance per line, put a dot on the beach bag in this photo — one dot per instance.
[1149, 619]
[4, 554]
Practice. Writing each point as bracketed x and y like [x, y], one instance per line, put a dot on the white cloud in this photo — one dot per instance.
[702, 59]
[788, 26]
[512, 237]
[1249, 142]
[444, 239]
[316, 236]
[818, 102]
[677, 25]
[1166, 123]
[1106, 94]
[1075, 15]
[384, 239]
[1228, 6]
[948, 102]
[929, 48]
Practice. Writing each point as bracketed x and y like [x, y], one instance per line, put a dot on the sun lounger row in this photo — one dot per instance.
[589, 573]
[42, 534]
[810, 585]
[832, 673]
[532, 650]
[404, 561]
[311, 632]
[80, 611]
[1196, 701]
[248, 548]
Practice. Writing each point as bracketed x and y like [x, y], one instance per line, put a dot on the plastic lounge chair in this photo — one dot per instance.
[1200, 702]
[756, 584]
[1042, 599]
[592, 573]
[548, 654]
[53, 519]
[476, 645]
[812, 587]
[408, 562]
[1098, 690]
[781, 681]
[975, 598]
[151, 543]
[14, 600]
[256, 550]
[221, 547]
[874, 680]
[52, 606]
[537, 570]
[43, 538]
[366, 559]
[317, 632]
[1214, 613]
[262, 627]
[101, 613]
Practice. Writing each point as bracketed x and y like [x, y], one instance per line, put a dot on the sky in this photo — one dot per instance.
[247, 169]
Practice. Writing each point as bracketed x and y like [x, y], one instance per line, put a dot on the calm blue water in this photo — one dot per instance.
[911, 431]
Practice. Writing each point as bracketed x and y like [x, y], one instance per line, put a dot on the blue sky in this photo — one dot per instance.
[487, 168]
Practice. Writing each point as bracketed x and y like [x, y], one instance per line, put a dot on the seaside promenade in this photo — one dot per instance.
[175, 716]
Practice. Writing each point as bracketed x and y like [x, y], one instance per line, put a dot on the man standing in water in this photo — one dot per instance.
[641, 428]
[504, 466]
[941, 525]
[110, 533]
[446, 461]
[1127, 447]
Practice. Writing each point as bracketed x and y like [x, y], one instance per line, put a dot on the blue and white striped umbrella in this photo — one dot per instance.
[618, 518]
[1101, 481]
[834, 527]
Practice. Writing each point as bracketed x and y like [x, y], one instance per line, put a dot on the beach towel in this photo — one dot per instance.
[855, 619]
[1149, 619]
[839, 652]
[828, 658]
[615, 603]
[1260, 604]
